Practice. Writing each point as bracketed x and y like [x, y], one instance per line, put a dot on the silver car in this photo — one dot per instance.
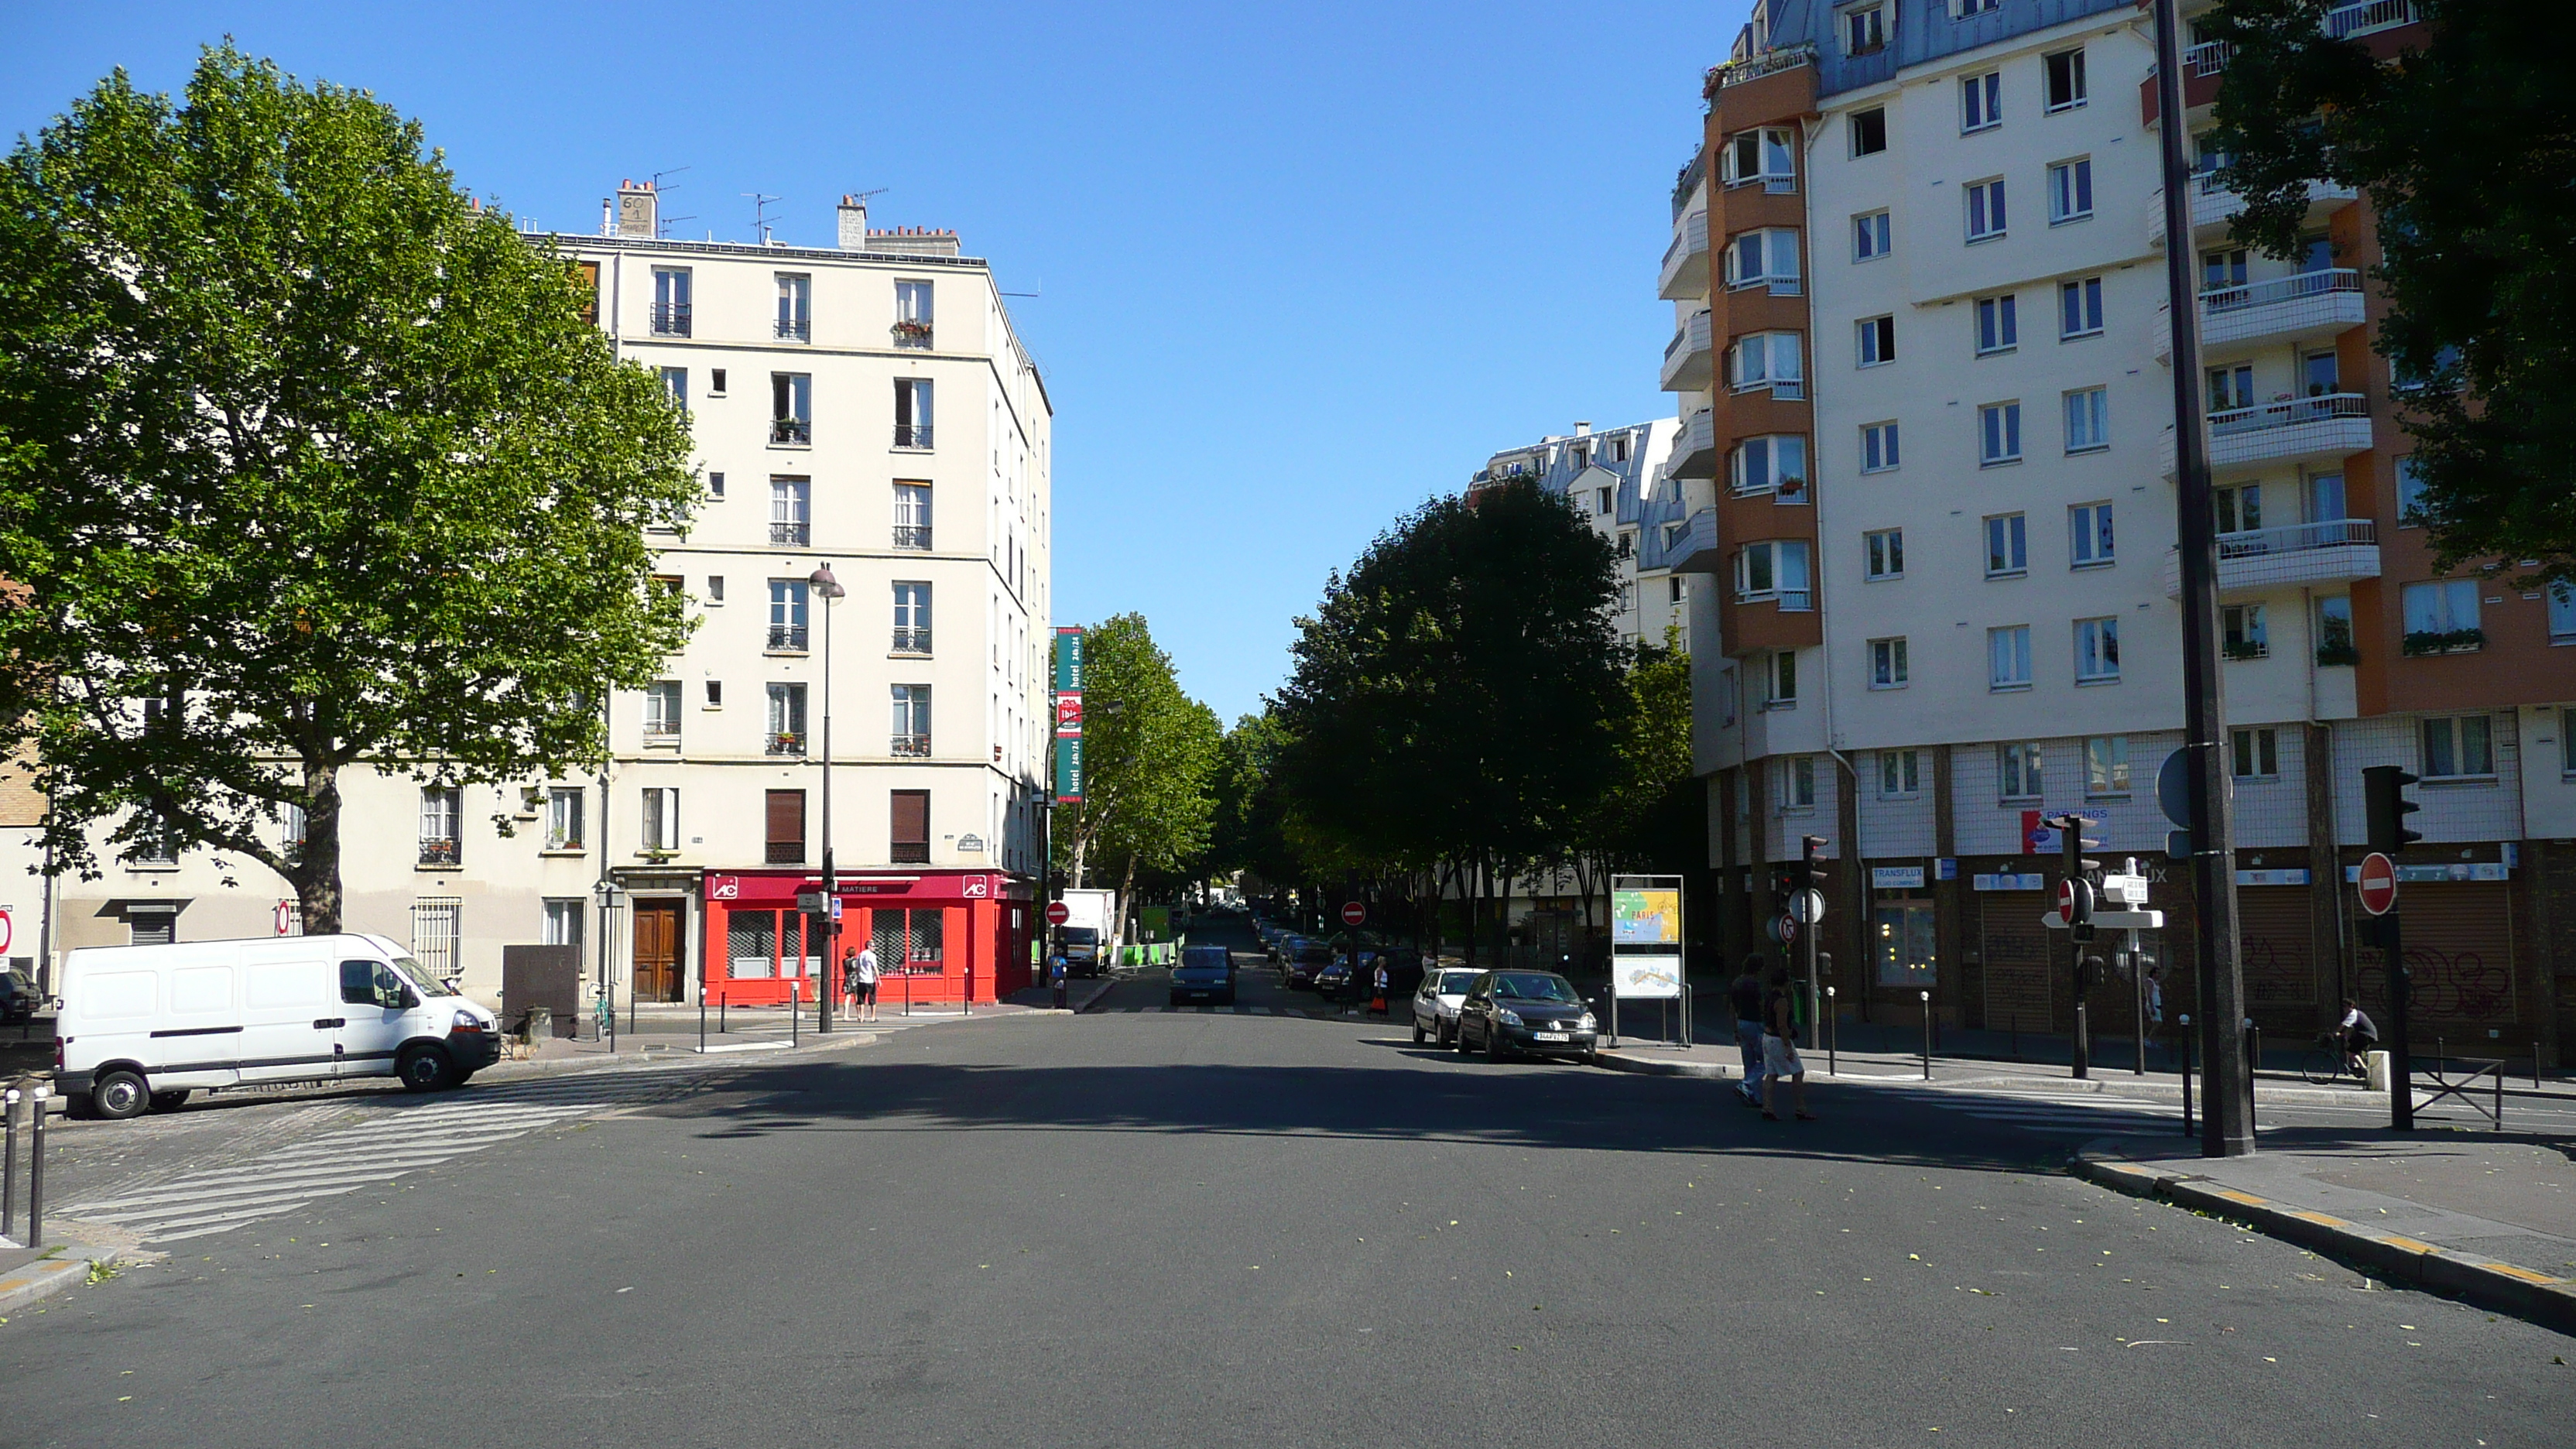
[1435, 1004]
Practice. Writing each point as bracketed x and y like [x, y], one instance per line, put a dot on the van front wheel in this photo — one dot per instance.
[427, 1069]
[118, 1095]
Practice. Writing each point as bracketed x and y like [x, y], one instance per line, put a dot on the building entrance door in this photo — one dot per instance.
[658, 969]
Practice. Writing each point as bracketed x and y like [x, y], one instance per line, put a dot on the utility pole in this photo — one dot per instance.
[2077, 893]
[2385, 807]
[1810, 914]
[2228, 1126]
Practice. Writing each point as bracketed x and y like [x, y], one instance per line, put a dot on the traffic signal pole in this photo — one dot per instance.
[2385, 808]
[2228, 1125]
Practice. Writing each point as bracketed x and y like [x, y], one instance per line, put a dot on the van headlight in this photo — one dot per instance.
[466, 1021]
[1588, 1023]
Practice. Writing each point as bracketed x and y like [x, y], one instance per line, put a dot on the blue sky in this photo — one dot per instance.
[1302, 266]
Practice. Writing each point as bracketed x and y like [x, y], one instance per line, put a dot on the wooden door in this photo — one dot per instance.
[658, 975]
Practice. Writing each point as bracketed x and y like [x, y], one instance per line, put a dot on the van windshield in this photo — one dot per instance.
[422, 978]
[1081, 936]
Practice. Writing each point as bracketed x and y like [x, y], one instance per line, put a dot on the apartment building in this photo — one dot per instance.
[1918, 270]
[862, 413]
[1610, 477]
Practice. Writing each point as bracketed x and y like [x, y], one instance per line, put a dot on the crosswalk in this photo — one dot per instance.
[2070, 1116]
[386, 1140]
[1238, 1009]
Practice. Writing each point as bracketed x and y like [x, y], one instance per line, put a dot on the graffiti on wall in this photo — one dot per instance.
[2276, 971]
[2451, 984]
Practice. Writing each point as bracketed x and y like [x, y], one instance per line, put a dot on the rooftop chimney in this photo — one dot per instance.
[638, 210]
[914, 241]
[854, 223]
[1582, 429]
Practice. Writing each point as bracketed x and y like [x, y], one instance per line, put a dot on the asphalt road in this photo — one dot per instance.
[1216, 1227]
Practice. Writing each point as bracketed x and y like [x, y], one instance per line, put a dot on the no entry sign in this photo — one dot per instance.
[1058, 913]
[2074, 898]
[2378, 883]
[1354, 914]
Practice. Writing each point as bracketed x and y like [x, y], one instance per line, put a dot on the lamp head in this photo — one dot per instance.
[826, 585]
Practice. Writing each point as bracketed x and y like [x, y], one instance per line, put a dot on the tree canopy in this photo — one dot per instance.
[1150, 757]
[305, 460]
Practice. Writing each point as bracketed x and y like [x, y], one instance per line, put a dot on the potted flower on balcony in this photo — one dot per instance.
[2421, 642]
[909, 332]
[1793, 486]
[2337, 648]
[2243, 649]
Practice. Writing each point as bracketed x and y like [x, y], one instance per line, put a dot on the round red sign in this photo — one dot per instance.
[2066, 899]
[1058, 913]
[1354, 914]
[2378, 883]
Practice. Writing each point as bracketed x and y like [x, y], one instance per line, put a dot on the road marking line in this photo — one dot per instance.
[238, 1184]
[232, 1219]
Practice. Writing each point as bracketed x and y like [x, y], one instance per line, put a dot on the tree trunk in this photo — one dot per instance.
[1127, 901]
[317, 865]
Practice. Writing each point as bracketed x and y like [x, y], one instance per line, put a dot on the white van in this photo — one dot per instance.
[142, 1025]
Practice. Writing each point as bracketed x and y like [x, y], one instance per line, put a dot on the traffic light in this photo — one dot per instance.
[2085, 873]
[1812, 856]
[2386, 807]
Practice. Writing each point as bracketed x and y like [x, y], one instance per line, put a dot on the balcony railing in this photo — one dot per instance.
[2331, 533]
[797, 432]
[795, 329]
[1685, 269]
[2346, 21]
[911, 641]
[2207, 58]
[2290, 413]
[1687, 358]
[912, 334]
[783, 742]
[909, 852]
[912, 535]
[439, 852]
[785, 852]
[2259, 561]
[1791, 601]
[909, 747]
[798, 534]
[1736, 73]
[912, 435]
[661, 731]
[2280, 289]
[790, 637]
[670, 319]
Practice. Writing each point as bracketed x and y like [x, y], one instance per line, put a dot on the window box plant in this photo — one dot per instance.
[2444, 641]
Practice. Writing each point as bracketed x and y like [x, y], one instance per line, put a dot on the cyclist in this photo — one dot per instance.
[2357, 1033]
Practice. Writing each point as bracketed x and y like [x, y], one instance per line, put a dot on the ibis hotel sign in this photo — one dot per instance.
[1068, 716]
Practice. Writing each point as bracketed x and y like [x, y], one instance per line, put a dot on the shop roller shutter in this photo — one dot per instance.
[2459, 951]
[2278, 954]
[2018, 958]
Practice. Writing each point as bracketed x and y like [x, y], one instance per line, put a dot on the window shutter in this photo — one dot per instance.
[786, 826]
[911, 818]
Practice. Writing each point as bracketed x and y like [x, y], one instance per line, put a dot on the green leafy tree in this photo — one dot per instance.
[305, 461]
[1652, 817]
[1149, 763]
[2465, 146]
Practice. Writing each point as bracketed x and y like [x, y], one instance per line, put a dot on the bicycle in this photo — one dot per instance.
[2327, 1063]
[603, 1013]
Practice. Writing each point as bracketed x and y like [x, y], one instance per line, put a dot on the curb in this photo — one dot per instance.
[2005, 1081]
[1612, 1061]
[49, 1276]
[2498, 1287]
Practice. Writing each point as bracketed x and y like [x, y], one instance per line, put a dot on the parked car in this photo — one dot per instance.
[1205, 973]
[1534, 1012]
[1333, 982]
[1306, 961]
[1435, 1004]
[18, 1000]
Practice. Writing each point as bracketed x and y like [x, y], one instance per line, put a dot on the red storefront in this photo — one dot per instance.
[941, 937]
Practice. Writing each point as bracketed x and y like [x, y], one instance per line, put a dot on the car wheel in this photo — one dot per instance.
[1172, 1000]
[1417, 1033]
[119, 1095]
[169, 1101]
[426, 1069]
[1493, 1045]
[1458, 1039]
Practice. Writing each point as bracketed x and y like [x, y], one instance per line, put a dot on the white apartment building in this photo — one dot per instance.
[864, 408]
[1611, 477]
[1919, 278]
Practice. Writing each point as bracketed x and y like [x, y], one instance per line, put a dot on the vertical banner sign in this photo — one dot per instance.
[1068, 716]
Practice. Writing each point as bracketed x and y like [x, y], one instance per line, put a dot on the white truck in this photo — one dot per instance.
[1087, 934]
[142, 1026]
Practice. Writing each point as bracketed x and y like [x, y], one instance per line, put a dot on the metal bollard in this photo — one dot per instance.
[2253, 1065]
[9, 1163]
[722, 1002]
[36, 1174]
[702, 1021]
[2183, 1024]
[795, 1011]
[1830, 1033]
[1927, 1036]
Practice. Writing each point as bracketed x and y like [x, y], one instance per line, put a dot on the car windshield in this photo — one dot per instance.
[423, 978]
[1455, 983]
[1205, 958]
[1533, 986]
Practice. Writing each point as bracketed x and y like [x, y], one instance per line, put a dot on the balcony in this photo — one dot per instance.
[791, 432]
[909, 747]
[787, 638]
[1736, 73]
[782, 742]
[909, 852]
[661, 732]
[795, 329]
[1791, 601]
[912, 335]
[2213, 206]
[2265, 560]
[912, 435]
[2309, 304]
[784, 852]
[911, 641]
[670, 319]
[1689, 356]
[1685, 272]
[912, 536]
[1695, 450]
[795, 534]
[1688, 547]
[440, 852]
[2328, 426]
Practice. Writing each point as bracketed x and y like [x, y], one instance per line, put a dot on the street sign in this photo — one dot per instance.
[1354, 914]
[1058, 913]
[2074, 899]
[1807, 907]
[9, 928]
[2378, 883]
[1786, 928]
[2109, 920]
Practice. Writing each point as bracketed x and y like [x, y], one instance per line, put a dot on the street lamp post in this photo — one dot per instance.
[827, 588]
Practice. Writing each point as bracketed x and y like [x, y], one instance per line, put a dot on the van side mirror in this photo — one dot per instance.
[407, 1000]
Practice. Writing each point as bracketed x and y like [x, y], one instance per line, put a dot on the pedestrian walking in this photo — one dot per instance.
[1055, 978]
[1746, 997]
[1377, 1005]
[862, 974]
[1780, 1051]
[2155, 985]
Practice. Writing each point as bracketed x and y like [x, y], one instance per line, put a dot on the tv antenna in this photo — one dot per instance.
[760, 212]
[661, 223]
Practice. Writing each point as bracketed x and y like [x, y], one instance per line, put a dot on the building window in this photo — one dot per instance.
[2079, 309]
[2410, 493]
[2231, 388]
[1886, 549]
[155, 843]
[437, 927]
[1868, 131]
[2255, 754]
[662, 712]
[1767, 359]
[658, 818]
[787, 602]
[784, 821]
[912, 412]
[2065, 72]
[795, 306]
[912, 314]
[2097, 651]
[1767, 465]
[2106, 766]
[2070, 190]
[1877, 340]
[1962, 9]
[1754, 259]
[715, 590]
[715, 694]
[1797, 781]
[1780, 678]
[563, 921]
[791, 511]
[1775, 570]
[1601, 501]
[1998, 324]
[910, 817]
[911, 733]
[791, 409]
[2224, 269]
[670, 302]
[675, 385]
[911, 618]
[2017, 771]
[2239, 509]
[1999, 433]
[786, 719]
[1985, 209]
[2567, 744]
[2242, 632]
[1900, 772]
[2334, 631]
[1877, 447]
[2562, 614]
[2441, 616]
[1981, 101]
[1767, 155]
[2088, 526]
[2008, 657]
[1873, 236]
[715, 481]
[2088, 420]
[2007, 546]
[441, 810]
[2459, 747]
[1887, 664]
[716, 388]
[912, 515]
[563, 817]
[1865, 30]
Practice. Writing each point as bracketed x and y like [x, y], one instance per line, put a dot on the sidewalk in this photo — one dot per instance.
[655, 1029]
